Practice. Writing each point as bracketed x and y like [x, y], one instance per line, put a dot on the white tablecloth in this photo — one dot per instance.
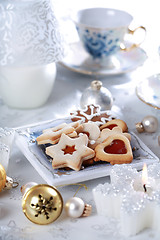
[65, 96]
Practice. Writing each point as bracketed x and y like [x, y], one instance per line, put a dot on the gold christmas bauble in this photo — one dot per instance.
[42, 204]
[2, 177]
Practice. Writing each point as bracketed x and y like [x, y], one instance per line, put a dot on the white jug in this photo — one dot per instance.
[30, 44]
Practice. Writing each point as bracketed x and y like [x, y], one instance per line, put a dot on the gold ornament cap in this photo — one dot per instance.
[42, 204]
[159, 140]
[2, 177]
[87, 210]
[139, 127]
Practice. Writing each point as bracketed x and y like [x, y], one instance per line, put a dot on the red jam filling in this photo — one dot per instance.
[87, 133]
[111, 126]
[116, 147]
[69, 149]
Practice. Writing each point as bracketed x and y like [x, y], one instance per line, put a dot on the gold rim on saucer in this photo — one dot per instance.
[78, 60]
[148, 91]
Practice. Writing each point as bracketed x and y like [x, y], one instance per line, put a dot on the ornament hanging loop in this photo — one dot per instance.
[74, 184]
[80, 186]
[75, 206]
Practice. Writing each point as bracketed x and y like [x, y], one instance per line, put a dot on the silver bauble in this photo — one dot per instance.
[97, 95]
[150, 124]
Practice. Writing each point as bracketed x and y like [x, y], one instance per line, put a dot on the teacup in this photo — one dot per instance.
[102, 31]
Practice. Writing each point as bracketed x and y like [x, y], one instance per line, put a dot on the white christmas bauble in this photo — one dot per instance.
[74, 207]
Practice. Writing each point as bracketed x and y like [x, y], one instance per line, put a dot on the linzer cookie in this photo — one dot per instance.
[88, 162]
[63, 125]
[70, 152]
[52, 135]
[92, 113]
[105, 133]
[91, 130]
[115, 123]
[116, 150]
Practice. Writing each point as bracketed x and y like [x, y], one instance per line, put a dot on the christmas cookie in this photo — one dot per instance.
[105, 133]
[85, 114]
[70, 152]
[91, 130]
[101, 118]
[116, 150]
[88, 162]
[85, 163]
[91, 113]
[115, 123]
[52, 135]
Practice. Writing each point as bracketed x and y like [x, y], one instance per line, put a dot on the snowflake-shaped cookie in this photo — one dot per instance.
[91, 113]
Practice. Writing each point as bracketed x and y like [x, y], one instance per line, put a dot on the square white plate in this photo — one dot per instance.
[26, 141]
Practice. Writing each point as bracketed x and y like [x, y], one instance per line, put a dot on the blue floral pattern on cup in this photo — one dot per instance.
[100, 44]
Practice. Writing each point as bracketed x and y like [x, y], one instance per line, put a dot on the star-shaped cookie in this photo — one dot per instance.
[52, 135]
[70, 152]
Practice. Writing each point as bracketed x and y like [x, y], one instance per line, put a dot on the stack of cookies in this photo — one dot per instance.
[92, 137]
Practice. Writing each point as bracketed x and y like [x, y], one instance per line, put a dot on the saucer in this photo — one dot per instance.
[148, 91]
[78, 60]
